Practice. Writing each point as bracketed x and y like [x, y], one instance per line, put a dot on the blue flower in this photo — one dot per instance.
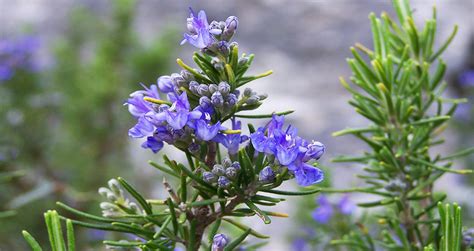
[178, 115]
[153, 144]
[17, 54]
[232, 141]
[306, 174]
[206, 131]
[324, 211]
[266, 175]
[165, 84]
[219, 242]
[289, 149]
[346, 206]
[200, 35]
[139, 107]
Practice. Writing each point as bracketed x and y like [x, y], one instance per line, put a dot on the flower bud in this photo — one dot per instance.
[231, 99]
[231, 23]
[252, 100]
[209, 177]
[218, 170]
[226, 162]
[104, 191]
[266, 175]
[223, 48]
[243, 61]
[193, 87]
[115, 186]
[165, 84]
[236, 165]
[223, 182]
[134, 207]
[217, 99]
[231, 173]
[203, 90]
[262, 96]
[224, 88]
[248, 92]
[178, 80]
[315, 151]
[219, 242]
[194, 148]
[107, 206]
[213, 88]
[188, 76]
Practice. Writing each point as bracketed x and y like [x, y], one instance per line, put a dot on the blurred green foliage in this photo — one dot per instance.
[73, 127]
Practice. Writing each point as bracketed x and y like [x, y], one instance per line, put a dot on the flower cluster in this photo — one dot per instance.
[325, 210]
[213, 37]
[223, 173]
[289, 150]
[116, 204]
[15, 54]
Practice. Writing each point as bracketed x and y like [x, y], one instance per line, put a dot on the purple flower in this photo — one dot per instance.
[178, 115]
[141, 129]
[289, 149]
[206, 131]
[139, 107]
[346, 206]
[315, 150]
[223, 182]
[307, 175]
[165, 84]
[219, 242]
[232, 141]
[209, 177]
[299, 244]
[324, 211]
[153, 144]
[17, 54]
[266, 175]
[200, 35]
[467, 78]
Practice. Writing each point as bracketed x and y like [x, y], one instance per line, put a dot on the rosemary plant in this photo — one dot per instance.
[398, 87]
[228, 174]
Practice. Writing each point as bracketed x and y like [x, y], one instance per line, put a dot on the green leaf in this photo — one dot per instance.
[146, 206]
[245, 228]
[445, 44]
[291, 193]
[259, 212]
[71, 241]
[163, 169]
[261, 116]
[235, 243]
[35, 246]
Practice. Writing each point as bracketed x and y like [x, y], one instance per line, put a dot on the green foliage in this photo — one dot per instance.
[398, 86]
[55, 233]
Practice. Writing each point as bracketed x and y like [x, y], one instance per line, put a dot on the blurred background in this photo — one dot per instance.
[67, 66]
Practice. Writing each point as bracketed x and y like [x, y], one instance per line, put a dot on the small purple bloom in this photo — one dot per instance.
[324, 211]
[307, 175]
[467, 78]
[219, 242]
[198, 27]
[209, 177]
[299, 244]
[266, 175]
[231, 23]
[142, 129]
[346, 206]
[232, 141]
[217, 99]
[165, 84]
[206, 131]
[223, 182]
[153, 144]
[315, 150]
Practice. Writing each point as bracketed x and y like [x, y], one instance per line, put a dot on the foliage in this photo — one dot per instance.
[398, 87]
